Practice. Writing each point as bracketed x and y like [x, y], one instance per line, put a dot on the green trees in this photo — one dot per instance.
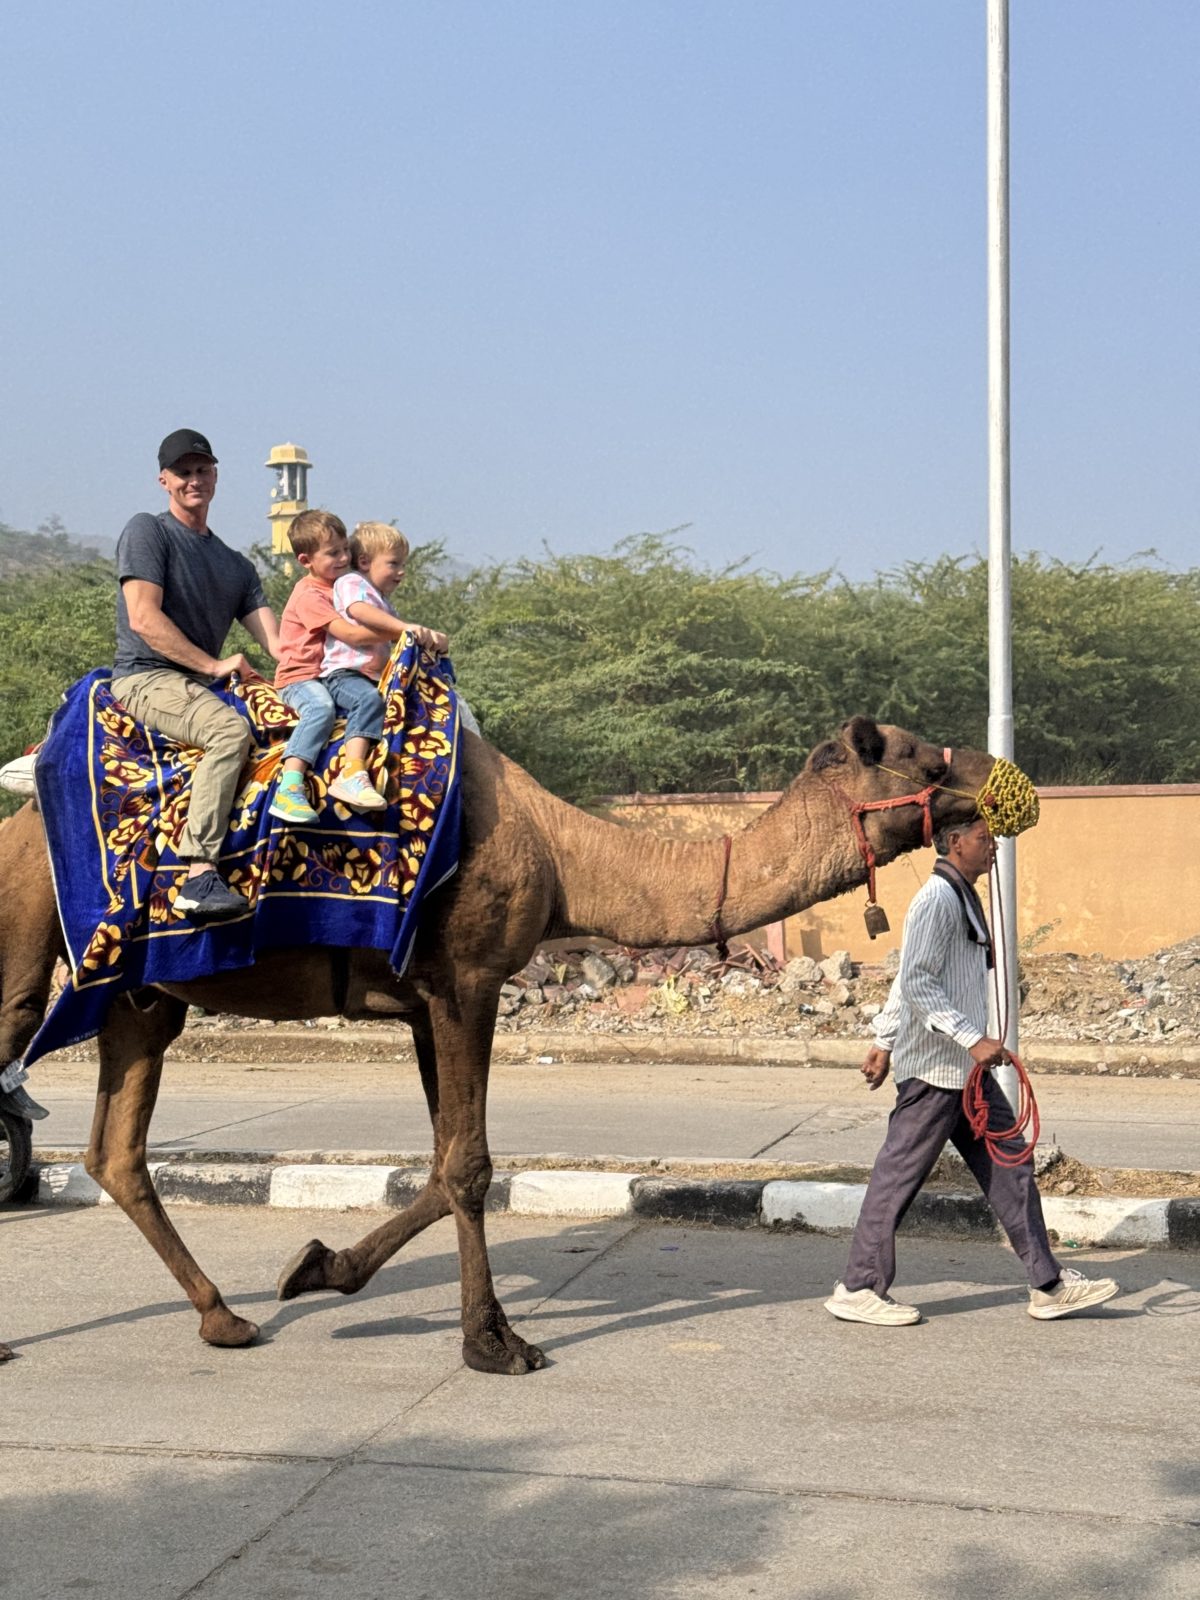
[54, 627]
[644, 669]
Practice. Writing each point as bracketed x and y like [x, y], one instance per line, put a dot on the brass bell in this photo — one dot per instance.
[876, 920]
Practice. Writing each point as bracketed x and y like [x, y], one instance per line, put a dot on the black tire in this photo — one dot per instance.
[16, 1152]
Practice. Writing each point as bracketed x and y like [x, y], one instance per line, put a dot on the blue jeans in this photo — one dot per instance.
[359, 701]
[314, 704]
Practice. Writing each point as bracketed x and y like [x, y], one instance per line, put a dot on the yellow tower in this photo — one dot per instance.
[289, 497]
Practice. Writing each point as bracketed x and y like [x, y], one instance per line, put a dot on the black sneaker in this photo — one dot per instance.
[208, 898]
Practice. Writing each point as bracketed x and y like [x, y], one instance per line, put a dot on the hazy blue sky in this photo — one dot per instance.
[564, 271]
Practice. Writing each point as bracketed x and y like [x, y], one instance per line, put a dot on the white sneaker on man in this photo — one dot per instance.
[17, 775]
[864, 1305]
[1073, 1292]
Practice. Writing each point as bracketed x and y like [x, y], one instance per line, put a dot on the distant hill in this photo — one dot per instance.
[50, 548]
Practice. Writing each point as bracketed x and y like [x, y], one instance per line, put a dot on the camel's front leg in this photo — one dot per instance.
[462, 1030]
[132, 1045]
[316, 1266]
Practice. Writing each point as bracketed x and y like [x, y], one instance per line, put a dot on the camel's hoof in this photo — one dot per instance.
[5, 1353]
[510, 1356]
[306, 1272]
[221, 1327]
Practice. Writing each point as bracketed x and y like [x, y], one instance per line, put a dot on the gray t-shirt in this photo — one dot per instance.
[206, 587]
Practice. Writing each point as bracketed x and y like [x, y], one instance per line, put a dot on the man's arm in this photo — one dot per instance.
[143, 601]
[263, 629]
[886, 1028]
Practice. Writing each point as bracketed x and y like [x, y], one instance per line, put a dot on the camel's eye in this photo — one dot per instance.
[906, 752]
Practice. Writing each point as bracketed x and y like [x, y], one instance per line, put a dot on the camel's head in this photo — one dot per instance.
[870, 762]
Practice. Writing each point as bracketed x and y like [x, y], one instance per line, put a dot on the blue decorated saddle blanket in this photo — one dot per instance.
[114, 797]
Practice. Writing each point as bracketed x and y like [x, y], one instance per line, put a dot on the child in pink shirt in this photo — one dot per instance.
[378, 553]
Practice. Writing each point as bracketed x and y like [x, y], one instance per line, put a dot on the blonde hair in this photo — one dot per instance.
[307, 531]
[371, 539]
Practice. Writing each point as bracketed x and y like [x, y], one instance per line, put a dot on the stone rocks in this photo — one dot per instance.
[837, 967]
[598, 972]
[800, 973]
[1045, 1158]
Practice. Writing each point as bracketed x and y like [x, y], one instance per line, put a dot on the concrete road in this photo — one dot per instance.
[642, 1111]
[704, 1429]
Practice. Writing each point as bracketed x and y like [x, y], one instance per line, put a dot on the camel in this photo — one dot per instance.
[532, 868]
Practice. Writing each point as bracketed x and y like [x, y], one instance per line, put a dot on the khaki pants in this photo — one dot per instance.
[174, 704]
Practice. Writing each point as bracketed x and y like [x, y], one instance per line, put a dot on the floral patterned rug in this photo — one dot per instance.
[114, 798]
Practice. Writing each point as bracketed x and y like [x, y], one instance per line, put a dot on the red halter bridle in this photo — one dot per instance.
[856, 808]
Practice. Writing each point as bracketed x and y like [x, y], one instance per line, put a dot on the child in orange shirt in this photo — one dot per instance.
[318, 539]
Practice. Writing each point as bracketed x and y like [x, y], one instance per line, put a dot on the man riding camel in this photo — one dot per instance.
[180, 590]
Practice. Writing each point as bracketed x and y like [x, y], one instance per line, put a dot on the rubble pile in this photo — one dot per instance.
[691, 989]
[1067, 996]
[1064, 996]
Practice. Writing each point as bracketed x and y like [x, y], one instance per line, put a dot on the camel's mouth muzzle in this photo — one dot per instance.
[1007, 800]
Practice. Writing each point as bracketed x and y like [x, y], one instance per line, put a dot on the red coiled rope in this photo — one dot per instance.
[975, 1106]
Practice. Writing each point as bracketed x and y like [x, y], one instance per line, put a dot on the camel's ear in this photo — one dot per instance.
[830, 754]
[864, 738]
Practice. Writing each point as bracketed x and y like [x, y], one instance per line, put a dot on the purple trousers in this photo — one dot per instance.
[923, 1119]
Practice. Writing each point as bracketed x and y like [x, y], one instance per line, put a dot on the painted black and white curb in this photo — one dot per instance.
[730, 1202]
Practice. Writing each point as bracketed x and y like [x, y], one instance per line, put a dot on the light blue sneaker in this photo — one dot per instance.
[290, 804]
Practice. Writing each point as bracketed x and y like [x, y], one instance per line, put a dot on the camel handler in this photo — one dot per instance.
[180, 590]
[935, 1024]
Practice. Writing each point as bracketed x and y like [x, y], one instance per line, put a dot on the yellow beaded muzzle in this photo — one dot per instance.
[1008, 802]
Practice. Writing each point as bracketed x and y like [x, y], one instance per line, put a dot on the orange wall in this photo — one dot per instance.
[1110, 870]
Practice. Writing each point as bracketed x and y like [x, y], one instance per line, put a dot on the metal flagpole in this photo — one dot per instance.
[1000, 719]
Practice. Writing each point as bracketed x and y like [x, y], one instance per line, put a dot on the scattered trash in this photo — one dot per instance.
[546, 1061]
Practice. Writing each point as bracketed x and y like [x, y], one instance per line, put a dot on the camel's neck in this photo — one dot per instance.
[641, 889]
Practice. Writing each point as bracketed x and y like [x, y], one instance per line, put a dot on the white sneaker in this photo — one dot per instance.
[864, 1305]
[1073, 1292]
[17, 775]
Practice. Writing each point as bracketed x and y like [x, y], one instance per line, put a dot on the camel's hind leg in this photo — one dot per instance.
[132, 1045]
[318, 1267]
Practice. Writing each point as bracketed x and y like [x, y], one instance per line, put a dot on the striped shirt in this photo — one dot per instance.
[937, 1007]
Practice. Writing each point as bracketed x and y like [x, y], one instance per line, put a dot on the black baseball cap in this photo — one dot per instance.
[183, 442]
